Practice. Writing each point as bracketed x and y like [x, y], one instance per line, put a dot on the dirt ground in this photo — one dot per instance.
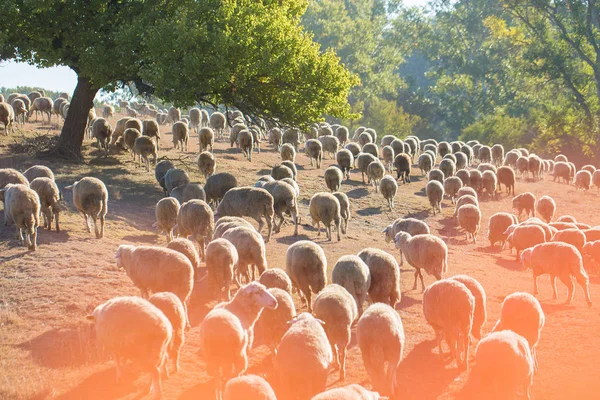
[45, 345]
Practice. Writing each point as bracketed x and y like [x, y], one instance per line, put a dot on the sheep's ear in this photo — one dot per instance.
[320, 321]
[70, 187]
[387, 228]
[90, 318]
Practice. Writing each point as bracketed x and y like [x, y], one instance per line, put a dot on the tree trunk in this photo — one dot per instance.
[73, 131]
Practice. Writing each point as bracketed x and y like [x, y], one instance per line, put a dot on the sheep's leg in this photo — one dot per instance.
[422, 283]
[270, 226]
[416, 278]
[336, 357]
[438, 338]
[535, 285]
[566, 279]
[295, 219]
[328, 231]
[342, 357]
[87, 222]
[56, 221]
[554, 292]
[261, 224]
[318, 228]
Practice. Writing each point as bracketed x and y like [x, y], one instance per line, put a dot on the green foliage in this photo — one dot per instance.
[386, 118]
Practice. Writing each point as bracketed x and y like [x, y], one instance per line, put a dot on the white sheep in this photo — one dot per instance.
[306, 265]
[38, 171]
[448, 306]
[206, 139]
[250, 202]
[276, 278]
[524, 237]
[380, 337]
[375, 171]
[188, 249]
[49, 196]
[143, 147]
[248, 387]
[333, 178]
[424, 251]
[480, 312]
[349, 392]
[344, 209]
[90, 197]
[352, 273]
[195, 218]
[336, 307]
[22, 207]
[133, 329]
[324, 207]
[435, 193]
[166, 211]
[273, 324]
[173, 309]
[385, 276]
[251, 251]
[469, 218]
[412, 226]
[206, 164]
[221, 260]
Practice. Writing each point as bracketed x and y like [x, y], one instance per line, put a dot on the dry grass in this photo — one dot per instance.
[46, 350]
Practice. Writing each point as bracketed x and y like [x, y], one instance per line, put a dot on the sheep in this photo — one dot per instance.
[248, 387]
[469, 218]
[233, 134]
[380, 337]
[251, 252]
[561, 171]
[388, 189]
[498, 225]
[435, 194]
[291, 136]
[206, 139]
[145, 146]
[20, 111]
[444, 148]
[545, 207]
[221, 257]
[375, 171]
[371, 132]
[464, 176]
[324, 207]
[410, 225]
[596, 179]
[333, 178]
[388, 157]
[188, 191]
[314, 151]
[449, 306]
[288, 152]
[424, 251]
[217, 185]
[435, 175]
[157, 269]
[466, 191]
[462, 160]
[364, 138]
[490, 183]
[251, 202]
[522, 313]
[344, 209]
[306, 265]
[345, 160]
[363, 160]
[372, 149]
[276, 278]
[330, 144]
[22, 207]
[292, 168]
[181, 135]
[303, 358]
[151, 129]
[175, 177]
[476, 180]
[43, 105]
[188, 249]
[504, 366]
[102, 131]
[353, 148]
[128, 139]
[480, 311]
[524, 202]
[7, 117]
[172, 308]
[108, 111]
[402, 164]
[49, 197]
[133, 328]
[506, 177]
[561, 158]
[352, 273]
[524, 237]
[452, 185]
[523, 166]
[497, 154]
[534, 165]
[336, 307]
[358, 131]
[90, 197]
[342, 135]
[284, 202]
[385, 276]
[195, 219]
[353, 391]
[448, 167]
[245, 142]
[560, 260]
[57, 105]
[570, 236]
[583, 180]
[160, 170]
[485, 154]
[206, 164]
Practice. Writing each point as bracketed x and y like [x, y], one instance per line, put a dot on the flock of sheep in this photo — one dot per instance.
[206, 224]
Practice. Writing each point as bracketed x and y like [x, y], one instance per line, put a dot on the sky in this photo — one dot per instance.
[63, 79]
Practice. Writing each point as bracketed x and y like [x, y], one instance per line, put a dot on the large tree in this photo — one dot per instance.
[251, 54]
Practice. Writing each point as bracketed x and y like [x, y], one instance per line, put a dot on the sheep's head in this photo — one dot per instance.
[256, 293]
[401, 239]
[388, 233]
[119, 255]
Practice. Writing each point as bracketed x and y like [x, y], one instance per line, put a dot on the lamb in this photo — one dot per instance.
[352, 273]
[480, 311]
[560, 260]
[324, 207]
[276, 278]
[306, 265]
[583, 180]
[344, 209]
[353, 392]
[49, 196]
[522, 313]
[188, 191]
[102, 131]
[172, 308]
[524, 202]
[435, 194]
[424, 251]
[90, 197]
[303, 358]
[206, 164]
[435, 175]
[504, 365]
[248, 387]
[380, 337]
[175, 177]
[363, 160]
[498, 225]
[388, 189]
[469, 218]
[545, 207]
[144, 147]
[181, 135]
[250, 202]
[133, 328]
[251, 252]
[449, 306]
[385, 276]
[345, 161]
[402, 164]
[22, 207]
[195, 219]
[333, 178]
[452, 185]
[288, 152]
[336, 307]
[410, 225]
[314, 151]
[160, 170]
